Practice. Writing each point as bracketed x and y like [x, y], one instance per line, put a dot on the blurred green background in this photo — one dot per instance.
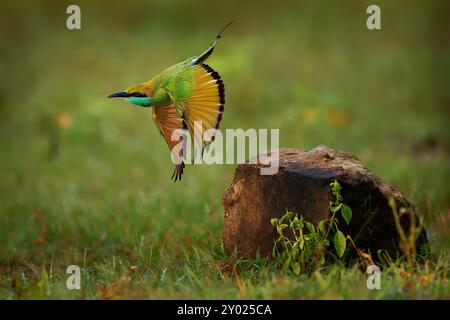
[85, 180]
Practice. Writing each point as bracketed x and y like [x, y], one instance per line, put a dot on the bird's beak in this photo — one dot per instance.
[119, 95]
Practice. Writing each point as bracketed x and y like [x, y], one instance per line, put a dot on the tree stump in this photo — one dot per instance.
[302, 185]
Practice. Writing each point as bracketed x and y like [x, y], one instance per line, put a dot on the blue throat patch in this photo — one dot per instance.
[140, 101]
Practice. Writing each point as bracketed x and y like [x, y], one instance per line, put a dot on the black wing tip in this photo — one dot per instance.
[221, 86]
[178, 172]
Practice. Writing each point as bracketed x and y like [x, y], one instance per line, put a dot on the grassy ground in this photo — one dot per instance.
[85, 180]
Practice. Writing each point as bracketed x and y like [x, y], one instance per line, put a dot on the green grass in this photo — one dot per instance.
[85, 180]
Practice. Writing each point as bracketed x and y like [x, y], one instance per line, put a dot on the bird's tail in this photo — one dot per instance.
[202, 58]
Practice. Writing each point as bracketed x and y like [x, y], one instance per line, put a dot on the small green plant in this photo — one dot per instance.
[301, 246]
[296, 250]
[336, 206]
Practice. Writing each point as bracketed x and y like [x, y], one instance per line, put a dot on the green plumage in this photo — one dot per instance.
[183, 96]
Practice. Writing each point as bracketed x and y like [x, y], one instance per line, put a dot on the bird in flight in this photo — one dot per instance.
[181, 97]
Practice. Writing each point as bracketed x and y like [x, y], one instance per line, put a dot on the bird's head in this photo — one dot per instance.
[138, 95]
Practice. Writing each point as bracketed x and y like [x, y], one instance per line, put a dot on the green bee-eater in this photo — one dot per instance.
[182, 94]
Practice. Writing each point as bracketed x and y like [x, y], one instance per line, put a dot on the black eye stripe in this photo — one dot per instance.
[138, 95]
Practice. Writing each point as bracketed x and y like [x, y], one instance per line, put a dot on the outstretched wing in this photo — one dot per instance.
[198, 95]
[205, 103]
[167, 120]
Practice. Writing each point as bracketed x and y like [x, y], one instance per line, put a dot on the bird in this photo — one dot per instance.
[179, 96]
